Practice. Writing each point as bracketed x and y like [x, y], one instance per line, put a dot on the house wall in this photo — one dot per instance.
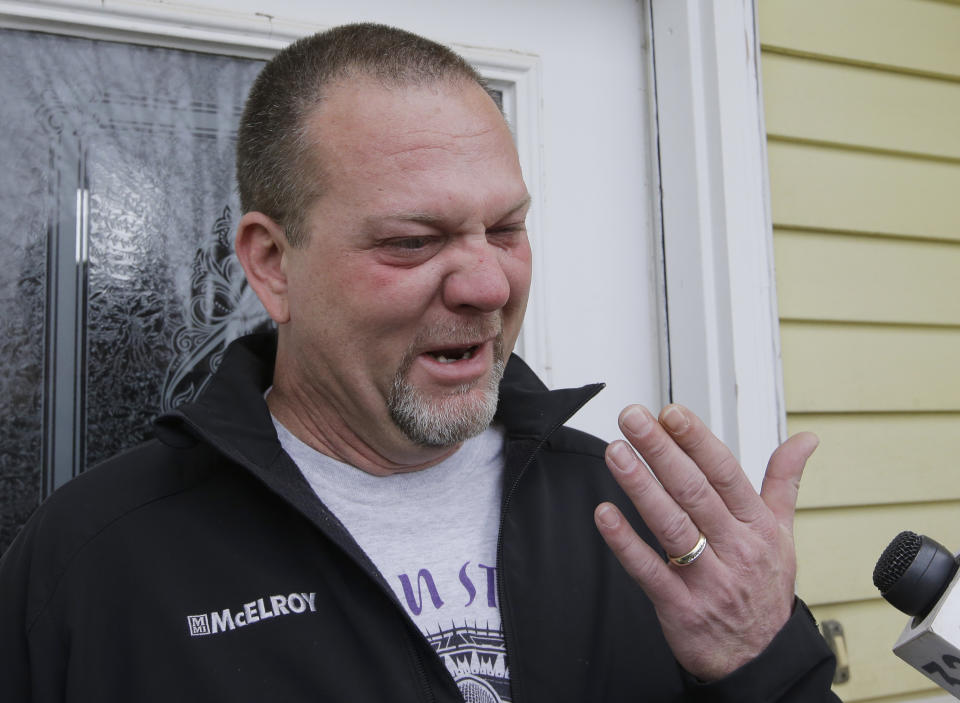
[862, 108]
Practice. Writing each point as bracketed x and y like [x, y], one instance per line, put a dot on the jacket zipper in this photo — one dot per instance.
[420, 666]
[422, 673]
[365, 565]
[505, 616]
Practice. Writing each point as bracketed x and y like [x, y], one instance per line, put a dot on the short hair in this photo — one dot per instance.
[276, 173]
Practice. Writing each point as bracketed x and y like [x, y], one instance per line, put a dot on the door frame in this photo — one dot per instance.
[722, 321]
[722, 344]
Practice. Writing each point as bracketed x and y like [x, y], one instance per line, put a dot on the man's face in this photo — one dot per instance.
[409, 293]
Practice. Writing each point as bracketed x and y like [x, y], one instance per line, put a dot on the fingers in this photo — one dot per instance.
[637, 557]
[694, 483]
[673, 526]
[736, 595]
[714, 459]
[696, 470]
[781, 482]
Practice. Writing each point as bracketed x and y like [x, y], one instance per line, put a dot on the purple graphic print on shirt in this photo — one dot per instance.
[474, 654]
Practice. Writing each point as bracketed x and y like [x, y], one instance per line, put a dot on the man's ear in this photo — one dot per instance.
[262, 248]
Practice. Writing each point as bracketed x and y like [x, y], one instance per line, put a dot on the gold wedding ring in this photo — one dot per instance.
[692, 555]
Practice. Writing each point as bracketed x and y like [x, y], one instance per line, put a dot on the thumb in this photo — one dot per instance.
[781, 482]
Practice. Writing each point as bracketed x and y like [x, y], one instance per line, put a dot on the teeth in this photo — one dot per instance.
[448, 360]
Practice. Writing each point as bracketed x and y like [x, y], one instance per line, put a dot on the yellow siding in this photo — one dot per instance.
[922, 697]
[853, 539]
[834, 276]
[861, 101]
[850, 105]
[879, 459]
[850, 368]
[870, 628]
[838, 189]
[903, 35]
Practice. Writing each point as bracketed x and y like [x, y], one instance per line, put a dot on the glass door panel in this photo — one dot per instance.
[120, 288]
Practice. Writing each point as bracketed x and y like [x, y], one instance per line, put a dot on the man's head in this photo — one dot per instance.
[278, 172]
[405, 291]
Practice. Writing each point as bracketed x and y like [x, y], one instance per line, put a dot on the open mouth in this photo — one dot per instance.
[450, 356]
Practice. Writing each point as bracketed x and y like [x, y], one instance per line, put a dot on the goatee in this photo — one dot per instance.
[443, 421]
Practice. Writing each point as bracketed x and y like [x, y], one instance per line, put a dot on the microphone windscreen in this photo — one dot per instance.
[896, 559]
[913, 572]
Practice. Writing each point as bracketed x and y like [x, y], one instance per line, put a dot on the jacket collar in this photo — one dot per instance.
[232, 416]
[529, 410]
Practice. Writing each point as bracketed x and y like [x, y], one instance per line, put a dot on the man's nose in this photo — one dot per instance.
[477, 279]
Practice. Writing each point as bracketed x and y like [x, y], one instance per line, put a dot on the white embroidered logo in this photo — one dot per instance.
[199, 625]
[252, 612]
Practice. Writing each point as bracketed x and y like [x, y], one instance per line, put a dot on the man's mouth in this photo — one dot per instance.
[450, 356]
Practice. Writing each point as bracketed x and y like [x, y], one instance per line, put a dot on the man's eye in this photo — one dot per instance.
[410, 250]
[409, 243]
[506, 233]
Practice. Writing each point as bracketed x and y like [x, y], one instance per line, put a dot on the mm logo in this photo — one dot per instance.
[198, 624]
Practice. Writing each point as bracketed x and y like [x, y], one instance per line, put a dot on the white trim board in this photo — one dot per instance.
[167, 25]
[717, 234]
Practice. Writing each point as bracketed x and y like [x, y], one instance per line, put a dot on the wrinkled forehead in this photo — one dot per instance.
[361, 122]
[442, 146]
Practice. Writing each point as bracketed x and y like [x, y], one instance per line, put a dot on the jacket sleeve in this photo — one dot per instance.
[33, 650]
[796, 667]
[15, 657]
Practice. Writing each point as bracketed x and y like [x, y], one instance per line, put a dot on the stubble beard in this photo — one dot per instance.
[444, 421]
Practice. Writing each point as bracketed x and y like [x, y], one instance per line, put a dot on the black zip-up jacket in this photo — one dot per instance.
[200, 566]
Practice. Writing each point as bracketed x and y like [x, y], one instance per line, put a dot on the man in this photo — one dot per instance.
[379, 503]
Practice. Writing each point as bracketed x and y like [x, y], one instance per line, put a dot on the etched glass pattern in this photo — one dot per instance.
[120, 287]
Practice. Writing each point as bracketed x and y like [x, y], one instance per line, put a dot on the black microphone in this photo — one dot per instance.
[913, 572]
[918, 576]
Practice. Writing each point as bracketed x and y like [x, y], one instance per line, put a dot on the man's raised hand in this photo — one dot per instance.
[723, 607]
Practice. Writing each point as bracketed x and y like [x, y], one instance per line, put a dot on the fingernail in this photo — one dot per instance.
[674, 419]
[636, 420]
[608, 517]
[621, 457]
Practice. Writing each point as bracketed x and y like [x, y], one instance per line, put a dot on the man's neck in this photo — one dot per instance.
[329, 434]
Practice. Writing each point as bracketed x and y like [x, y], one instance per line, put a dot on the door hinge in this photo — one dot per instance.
[833, 632]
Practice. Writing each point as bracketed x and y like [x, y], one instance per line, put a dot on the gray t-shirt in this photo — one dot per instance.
[433, 535]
